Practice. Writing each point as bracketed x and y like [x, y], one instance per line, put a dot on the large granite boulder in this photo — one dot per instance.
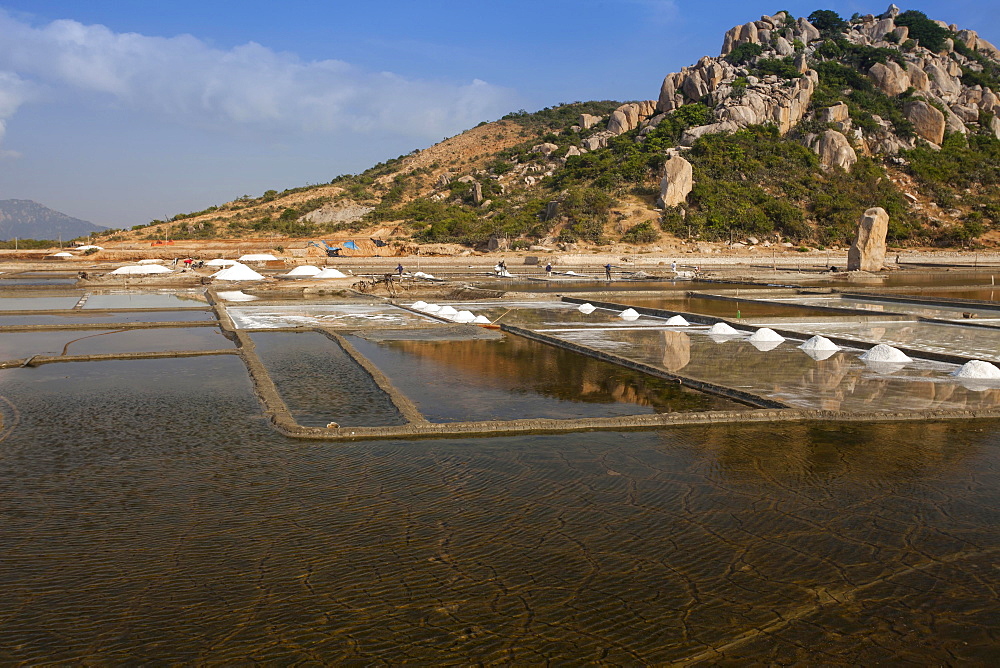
[677, 181]
[927, 121]
[867, 253]
[835, 151]
[890, 78]
[588, 121]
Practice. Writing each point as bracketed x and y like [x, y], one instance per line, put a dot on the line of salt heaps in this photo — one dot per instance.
[450, 313]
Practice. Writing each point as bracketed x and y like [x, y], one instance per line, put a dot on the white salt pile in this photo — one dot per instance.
[820, 343]
[884, 353]
[62, 254]
[330, 272]
[236, 296]
[765, 334]
[89, 247]
[463, 316]
[481, 320]
[133, 269]
[447, 310]
[629, 314]
[304, 270]
[151, 261]
[219, 262]
[419, 306]
[431, 308]
[723, 329]
[572, 273]
[678, 321]
[257, 257]
[237, 272]
[420, 274]
[586, 308]
[977, 369]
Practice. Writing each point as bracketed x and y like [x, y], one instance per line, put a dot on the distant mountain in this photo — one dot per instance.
[25, 219]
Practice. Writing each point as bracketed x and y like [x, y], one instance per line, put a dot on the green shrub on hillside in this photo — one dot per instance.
[929, 34]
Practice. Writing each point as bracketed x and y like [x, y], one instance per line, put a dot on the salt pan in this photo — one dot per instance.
[629, 314]
[766, 334]
[586, 308]
[884, 353]
[977, 369]
[724, 329]
[678, 321]
[236, 296]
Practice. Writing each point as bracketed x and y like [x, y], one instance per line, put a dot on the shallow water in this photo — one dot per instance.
[840, 382]
[186, 299]
[41, 302]
[80, 317]
[320, 383]
[724, 308]
[513, 378]
[17, 345]
[271, 316]
[150, 515]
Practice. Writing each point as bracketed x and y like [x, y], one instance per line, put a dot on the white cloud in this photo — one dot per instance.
[188, 81]
[14, 91]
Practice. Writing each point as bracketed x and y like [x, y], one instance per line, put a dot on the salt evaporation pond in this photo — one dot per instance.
[17, 345]
[39, 303]
[151, 300]
[81, 317]
[273, 316]
[320, 383]
[511, 378]
[840, 382]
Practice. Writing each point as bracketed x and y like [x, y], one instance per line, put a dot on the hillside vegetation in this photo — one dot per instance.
[791, 133]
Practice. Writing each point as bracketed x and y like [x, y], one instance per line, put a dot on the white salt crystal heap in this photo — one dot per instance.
[219, 262]
[136, 269]
[723, 329]
[418, 306]
[884, 353]
[677, 321]
[819, 343]
[586, 308]
[257, 257]
[304, 270]
[463, 316]
[237, 272]
[447, 310]
[330, 272]
[481, 320]
[765, 334]
[236, 296]
[629, 314]
[977, 369]
[420, 274]
[431, 308]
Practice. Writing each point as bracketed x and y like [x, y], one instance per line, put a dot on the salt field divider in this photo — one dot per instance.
[924, 301]
[742, 396]
[840, 310]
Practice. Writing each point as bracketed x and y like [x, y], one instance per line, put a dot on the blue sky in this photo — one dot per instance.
[119, 113]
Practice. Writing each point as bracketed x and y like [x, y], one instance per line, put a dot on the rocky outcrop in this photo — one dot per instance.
[588, 121]
[545, 149]
[628, 116]
[835, 151]
[927, 121]
[867, 253]
[837, 113]
[890, 78]
[677, 181]
[337, 213]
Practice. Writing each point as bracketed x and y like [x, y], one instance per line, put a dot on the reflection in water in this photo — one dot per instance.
[514, 378]
[676, 350]
[150, 515]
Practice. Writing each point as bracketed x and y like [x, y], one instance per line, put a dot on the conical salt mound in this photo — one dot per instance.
[330, 272]
[629, 314]
[977, 369]
[448, 310]
[304, 270]
[766, 334]
[819, 343]
[418, 306]
[431, 308]
[678, 321]
[463, 316]
[586, 308]
[237, 272]
[724, 329]
[884, 353]
[481, 320]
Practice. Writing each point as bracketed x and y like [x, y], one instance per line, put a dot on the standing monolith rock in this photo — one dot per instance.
[677, 182]
[867, 253]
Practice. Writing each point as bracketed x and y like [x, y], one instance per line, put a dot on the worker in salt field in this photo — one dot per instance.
[607, 271]
[673, 266]
[548, 269]
[399, 269]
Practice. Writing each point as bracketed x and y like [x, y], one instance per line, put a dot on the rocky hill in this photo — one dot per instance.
[25, 219]
[787, 136]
